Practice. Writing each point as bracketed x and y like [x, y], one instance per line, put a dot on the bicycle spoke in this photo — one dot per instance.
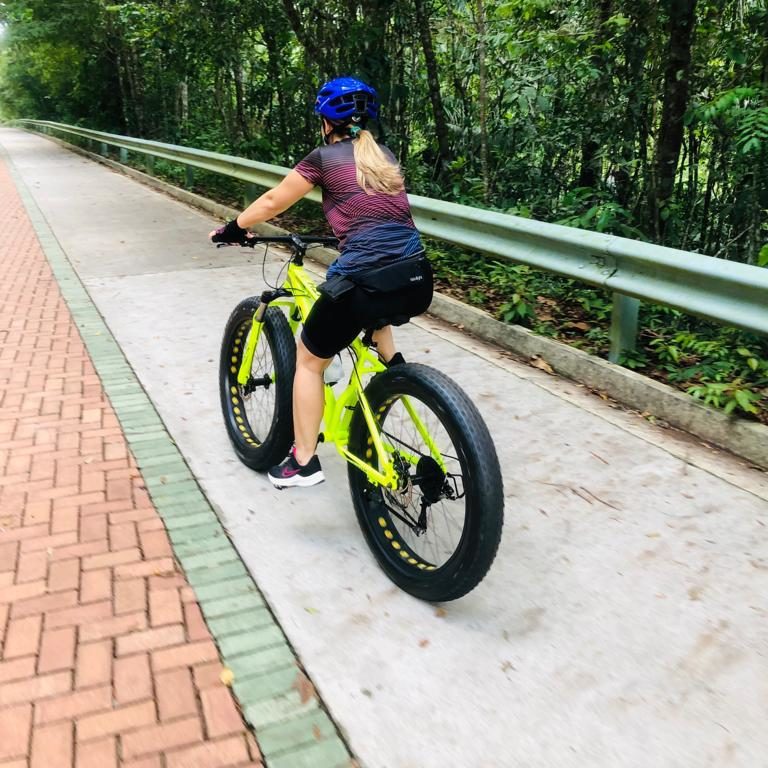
[259, 403]
[434, 535]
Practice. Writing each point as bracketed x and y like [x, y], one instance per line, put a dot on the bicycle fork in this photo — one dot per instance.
[249, 348]
[252, 340]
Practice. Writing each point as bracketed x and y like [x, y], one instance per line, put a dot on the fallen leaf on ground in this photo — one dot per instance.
[694, 593]
[227, 676]
[580, 326]
[304, 686]
[423, 643]
[542, 365]
[440, 613]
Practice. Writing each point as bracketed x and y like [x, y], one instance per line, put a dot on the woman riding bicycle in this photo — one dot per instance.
[381, 271]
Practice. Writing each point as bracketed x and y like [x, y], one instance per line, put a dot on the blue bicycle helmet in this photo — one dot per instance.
[344, 98]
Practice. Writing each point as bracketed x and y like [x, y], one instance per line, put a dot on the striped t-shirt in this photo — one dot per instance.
[373, 229]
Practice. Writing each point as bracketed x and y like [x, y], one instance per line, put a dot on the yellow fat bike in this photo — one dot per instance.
[423, 472]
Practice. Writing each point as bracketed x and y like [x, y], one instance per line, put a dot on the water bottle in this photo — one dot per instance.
[334, 371]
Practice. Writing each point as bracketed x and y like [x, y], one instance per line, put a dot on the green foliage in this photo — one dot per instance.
[516, 309]
[633, 359]
[571, 131]
[587, 208]
[573, 93]
[727, 395]
[724, 373]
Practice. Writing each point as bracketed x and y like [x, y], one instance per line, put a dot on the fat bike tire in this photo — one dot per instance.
[458, 473]
[258, 415]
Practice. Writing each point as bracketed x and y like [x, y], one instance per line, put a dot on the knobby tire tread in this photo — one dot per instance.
[277, 332]
[485, 515]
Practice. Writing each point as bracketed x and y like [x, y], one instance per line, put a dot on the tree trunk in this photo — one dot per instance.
[706, 224]
[137, 91]
[125, 99]
[373, 60]
[183, 104]
[680, 24]
[591, 165]
[273, 59]
[308, 40]
[483, 99]
[441, 127]
[242, 123]
[637, 119]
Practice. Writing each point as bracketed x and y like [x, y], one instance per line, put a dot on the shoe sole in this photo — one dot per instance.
[297, 481]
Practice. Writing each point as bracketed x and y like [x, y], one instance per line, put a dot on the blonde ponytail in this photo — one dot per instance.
[375, 171]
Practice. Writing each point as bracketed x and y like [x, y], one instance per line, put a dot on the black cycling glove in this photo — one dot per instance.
[231, 232]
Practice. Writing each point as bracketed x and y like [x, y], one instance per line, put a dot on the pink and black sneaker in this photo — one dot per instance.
[290, 473]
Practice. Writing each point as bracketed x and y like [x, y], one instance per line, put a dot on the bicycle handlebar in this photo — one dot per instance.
[298, 242]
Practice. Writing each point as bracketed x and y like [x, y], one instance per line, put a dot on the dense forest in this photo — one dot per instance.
[642, 118]
[639, 118]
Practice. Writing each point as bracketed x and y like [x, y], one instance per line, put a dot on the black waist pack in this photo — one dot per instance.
[408, 273]
[336, 287]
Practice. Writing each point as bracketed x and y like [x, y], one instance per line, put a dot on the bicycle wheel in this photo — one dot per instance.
[437, 534]
[259, 414]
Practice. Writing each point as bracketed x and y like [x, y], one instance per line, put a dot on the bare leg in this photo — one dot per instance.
[385, 343]
[308, 401]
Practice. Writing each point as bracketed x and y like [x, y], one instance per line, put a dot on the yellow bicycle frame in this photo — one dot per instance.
[338, 410]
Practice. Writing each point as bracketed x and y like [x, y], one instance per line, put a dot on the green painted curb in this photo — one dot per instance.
[249, 638]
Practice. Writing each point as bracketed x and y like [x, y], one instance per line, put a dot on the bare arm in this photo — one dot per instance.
[289, 191]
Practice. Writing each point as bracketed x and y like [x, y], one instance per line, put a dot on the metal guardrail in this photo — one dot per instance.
[728, 292]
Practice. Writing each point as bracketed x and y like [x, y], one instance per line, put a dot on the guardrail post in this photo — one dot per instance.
[149, 164]
[251, 193]
[623, 325]
[123, 155]
[103, 150]
[190, 176]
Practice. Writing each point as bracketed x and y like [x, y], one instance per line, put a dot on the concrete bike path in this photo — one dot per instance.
[624, 621]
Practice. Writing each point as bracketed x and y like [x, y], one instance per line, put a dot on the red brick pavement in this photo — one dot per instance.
[91, 600]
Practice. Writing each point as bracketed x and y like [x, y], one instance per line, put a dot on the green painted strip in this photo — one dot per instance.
[197, 503]
[240, 622]
[162, 463]
[208, 559]
[225, 588]
[216, 541]
[298, 734]
[186, 521]
[325, 754]
[275, 682]
[278, 710]
[257, 639]
[235, 604]
[262, 661]
[220, 574]
[194, 534]
[287, 736]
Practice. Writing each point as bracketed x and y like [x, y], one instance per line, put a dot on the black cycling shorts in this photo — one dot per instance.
[334, 325]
